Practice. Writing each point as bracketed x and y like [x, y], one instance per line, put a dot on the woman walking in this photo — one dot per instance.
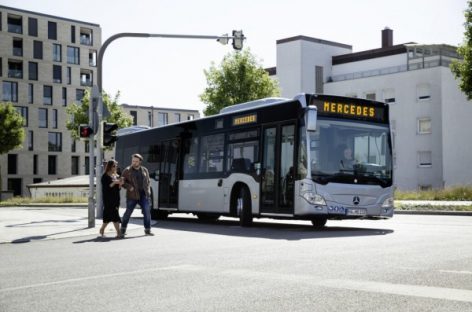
[111, 185]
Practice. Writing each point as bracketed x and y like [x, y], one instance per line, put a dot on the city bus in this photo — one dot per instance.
[272, 158]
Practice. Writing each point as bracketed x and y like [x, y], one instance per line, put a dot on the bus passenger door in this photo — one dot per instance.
[169, 174]
[278, 176]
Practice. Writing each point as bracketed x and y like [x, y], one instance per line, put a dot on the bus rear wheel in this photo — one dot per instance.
[319, 222]
[243, 207]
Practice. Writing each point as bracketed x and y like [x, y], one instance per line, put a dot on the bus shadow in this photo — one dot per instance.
[269, 230]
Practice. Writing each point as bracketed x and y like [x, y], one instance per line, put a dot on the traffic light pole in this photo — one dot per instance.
[91, 204]
[237, 37]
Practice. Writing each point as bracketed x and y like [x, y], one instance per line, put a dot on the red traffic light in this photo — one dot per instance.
[85, 131]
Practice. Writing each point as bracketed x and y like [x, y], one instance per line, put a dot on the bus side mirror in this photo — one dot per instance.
[310, 118]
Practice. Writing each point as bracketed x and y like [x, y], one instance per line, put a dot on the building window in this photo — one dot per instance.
[57, 73]
[150, 119]
[79, 95]
[92, 58]
[17, 47]
[162, 119]
[85, 36]
[15, 69]
[54, 118]
[190, 117]
[30, 140]
[423, 92]
[424, 159]
[389, 96]
[1, 67]
[319, 79]
[10, 91]
[56, 52]
[47, 95]
[55, 142]
[86, 78]
[32, 27]
[424, 125]
[75, 165]
[72, 34]
[33, 71]
[42, 117]
[86, 147]
[177, 117]
[15, 24]
[52, 30]
[52, 164]
[12, 164]
[73, 145]
[69, 75]
[35, 164]
[30, 93]
[38, 49]
[64, 96]
[134, 115]
[370, 96]
[73, 55]
[87, 165]
[23, 111]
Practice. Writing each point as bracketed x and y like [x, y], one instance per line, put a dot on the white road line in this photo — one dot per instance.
[402, 289]
[102, 276]
[455, 272]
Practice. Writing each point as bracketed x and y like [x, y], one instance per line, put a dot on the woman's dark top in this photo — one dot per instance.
[111, 200]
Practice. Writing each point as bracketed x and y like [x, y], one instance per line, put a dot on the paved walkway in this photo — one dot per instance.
[25, 224]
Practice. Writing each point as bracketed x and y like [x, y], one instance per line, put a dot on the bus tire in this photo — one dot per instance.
[243, 207]
[319, 222]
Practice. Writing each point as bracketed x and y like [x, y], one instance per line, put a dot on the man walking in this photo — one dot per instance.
[138, 191]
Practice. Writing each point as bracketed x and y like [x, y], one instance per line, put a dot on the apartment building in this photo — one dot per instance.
[430, 116]
[157, 116]
[46, 63]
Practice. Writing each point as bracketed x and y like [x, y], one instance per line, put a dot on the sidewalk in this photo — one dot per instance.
[44, 222]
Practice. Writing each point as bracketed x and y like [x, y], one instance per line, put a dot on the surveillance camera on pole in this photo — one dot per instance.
[238, 38]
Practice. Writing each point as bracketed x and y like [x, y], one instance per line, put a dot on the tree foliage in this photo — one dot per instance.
[238, 79]
[80, 113]
[463, 69]
[12, 132]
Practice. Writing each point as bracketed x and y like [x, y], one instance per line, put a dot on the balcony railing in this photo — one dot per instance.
[15, 73]
[17, 29]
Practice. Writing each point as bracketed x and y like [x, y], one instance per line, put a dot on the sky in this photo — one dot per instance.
[170, 72]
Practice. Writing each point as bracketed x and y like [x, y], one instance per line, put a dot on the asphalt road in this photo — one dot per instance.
[408, 263]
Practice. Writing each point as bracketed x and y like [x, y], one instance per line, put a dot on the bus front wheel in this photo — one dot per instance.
[243, 206]
[319, 222]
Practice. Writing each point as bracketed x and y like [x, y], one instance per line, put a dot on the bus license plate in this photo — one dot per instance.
[356, 212]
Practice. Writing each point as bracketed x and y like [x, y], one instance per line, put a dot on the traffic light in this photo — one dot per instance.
[109, 133]
[85, 131]
[238, 38]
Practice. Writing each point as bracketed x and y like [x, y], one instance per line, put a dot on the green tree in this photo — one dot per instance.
[80, 113]
[463, 69]
[238, 79]
[12, 132]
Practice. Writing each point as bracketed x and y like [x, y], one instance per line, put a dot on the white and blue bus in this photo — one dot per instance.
[272, 158]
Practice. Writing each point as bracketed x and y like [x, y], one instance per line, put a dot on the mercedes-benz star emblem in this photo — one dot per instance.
[356, 200]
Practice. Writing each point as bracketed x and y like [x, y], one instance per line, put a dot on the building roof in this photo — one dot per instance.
[316, 40]
[158, 108]
[47, 15]
[75, 181]
[370, 54]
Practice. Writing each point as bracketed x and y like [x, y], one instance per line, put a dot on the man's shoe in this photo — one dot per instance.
[148, 232]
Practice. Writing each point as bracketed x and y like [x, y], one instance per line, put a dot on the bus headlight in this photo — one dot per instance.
[388, 203]
[314, 199]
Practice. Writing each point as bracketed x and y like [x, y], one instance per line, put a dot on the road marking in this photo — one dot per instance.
[183, 267]
[455, 272]
[402, 289]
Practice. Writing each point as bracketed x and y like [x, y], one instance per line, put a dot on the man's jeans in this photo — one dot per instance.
[130, 205]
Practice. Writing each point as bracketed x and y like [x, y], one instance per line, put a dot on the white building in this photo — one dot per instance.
[430, 115]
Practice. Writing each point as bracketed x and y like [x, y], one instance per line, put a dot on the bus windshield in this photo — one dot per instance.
[350, 152]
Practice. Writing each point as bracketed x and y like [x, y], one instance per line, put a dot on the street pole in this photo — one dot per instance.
[91, 206]
[237, 38]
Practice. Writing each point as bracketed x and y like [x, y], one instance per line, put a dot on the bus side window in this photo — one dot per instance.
[190, 156]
